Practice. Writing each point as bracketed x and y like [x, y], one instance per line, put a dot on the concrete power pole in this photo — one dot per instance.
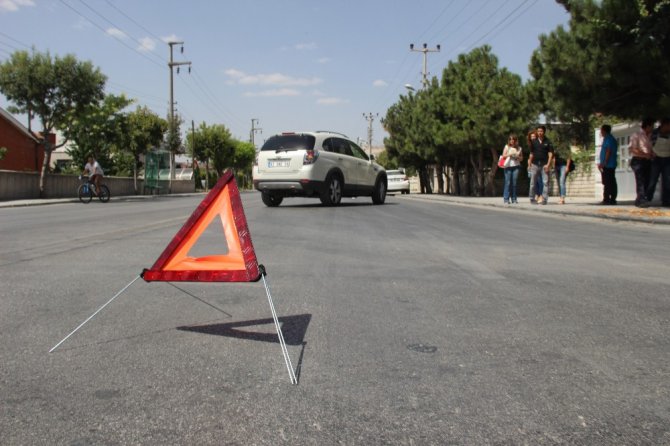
[171, 65]
[370, 118]
[253, 131]
[425, 50]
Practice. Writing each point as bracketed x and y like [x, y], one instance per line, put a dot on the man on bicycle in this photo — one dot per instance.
[94, 171]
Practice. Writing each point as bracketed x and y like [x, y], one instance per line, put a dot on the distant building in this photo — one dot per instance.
[24, 151]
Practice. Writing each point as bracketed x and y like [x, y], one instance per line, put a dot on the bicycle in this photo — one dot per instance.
[87, 190]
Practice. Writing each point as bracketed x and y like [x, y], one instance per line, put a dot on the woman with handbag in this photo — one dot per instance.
[513, 156]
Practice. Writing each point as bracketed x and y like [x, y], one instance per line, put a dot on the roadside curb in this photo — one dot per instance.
[51, 201]
[583, 208]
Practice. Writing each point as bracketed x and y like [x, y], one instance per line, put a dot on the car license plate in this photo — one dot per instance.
[279, 163]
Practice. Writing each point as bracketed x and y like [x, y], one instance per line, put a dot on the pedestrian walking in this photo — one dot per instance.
[539, 161]
[533, 194]
[513, 156]
[607, 163]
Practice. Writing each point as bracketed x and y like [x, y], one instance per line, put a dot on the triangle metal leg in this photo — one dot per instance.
[280, 335]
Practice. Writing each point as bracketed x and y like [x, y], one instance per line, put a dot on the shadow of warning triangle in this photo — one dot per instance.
[293, 327]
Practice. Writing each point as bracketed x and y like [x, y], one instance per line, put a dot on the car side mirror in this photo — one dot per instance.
[372, 157]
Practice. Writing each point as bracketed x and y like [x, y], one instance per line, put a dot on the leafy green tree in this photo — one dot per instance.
[213, 143]
[461, 121]
[408, 142]
[613, 60]
[95, 131]
[139, 131]
[475, 107]
[55, 90]
[243, 158]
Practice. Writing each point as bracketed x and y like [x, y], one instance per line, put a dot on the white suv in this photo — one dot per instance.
[320, 164]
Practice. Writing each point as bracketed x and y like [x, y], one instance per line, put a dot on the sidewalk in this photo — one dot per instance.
[578, 206]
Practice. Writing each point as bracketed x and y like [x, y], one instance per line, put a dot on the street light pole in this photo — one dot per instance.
[425, 50]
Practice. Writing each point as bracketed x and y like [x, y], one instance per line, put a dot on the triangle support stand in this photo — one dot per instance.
[280, 335]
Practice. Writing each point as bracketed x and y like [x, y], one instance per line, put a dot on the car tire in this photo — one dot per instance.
[271, 200]
[379, 192]
[332, 193]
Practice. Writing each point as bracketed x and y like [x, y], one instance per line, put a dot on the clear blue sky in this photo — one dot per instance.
[292, 64]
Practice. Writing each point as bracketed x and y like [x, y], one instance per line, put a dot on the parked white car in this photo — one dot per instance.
[398, 181]
[326, 165]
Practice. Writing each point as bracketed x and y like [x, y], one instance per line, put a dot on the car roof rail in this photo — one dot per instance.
[334, 133]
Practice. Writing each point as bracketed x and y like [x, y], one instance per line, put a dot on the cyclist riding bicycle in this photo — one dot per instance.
[94, 171]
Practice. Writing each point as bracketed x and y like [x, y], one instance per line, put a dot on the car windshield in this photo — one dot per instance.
[289, 142]
[393, 172]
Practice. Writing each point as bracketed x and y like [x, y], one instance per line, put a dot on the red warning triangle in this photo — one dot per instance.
[238, 265]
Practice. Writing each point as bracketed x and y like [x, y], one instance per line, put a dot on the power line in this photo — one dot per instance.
[208, 95]
[14, 40]
[132, 90]
[107, 34]
[133, 20]
[14, 47]
[477, 29]
[435, 20]
[90, 8]
[446, 26]
[498, 25]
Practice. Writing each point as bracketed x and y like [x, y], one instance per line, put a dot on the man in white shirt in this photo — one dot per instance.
[94, 171]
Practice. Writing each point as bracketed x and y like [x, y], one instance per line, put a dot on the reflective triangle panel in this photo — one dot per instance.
[239, 264]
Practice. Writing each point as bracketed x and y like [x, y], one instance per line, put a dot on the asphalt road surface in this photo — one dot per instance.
[410, 323]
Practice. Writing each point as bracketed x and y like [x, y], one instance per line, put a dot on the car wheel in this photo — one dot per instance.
[271, 200]
[332, 194]
[379, 192]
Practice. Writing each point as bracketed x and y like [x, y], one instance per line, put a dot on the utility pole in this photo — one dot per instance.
[425, 50]
[370, 117]
[253, 131]
[171, 65]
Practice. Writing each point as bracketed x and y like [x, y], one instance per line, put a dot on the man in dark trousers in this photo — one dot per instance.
[607, 164]
[641, 151]
[541, 155]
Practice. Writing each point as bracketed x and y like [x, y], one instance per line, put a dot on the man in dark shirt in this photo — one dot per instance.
[541, 155]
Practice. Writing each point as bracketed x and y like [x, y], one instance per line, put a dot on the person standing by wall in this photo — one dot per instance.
[562, 164]
[539, 161]
[533, 194]
[513, 157]
[660, 165]
[641, 151]
[607, 165]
